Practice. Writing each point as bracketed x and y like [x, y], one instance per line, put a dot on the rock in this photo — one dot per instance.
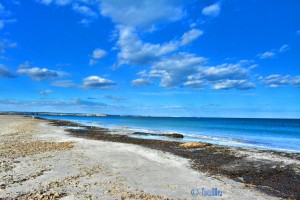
[140, 133]
[173, 135]
[193, 145]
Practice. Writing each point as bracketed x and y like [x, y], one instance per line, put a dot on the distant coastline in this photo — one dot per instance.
[105, 115]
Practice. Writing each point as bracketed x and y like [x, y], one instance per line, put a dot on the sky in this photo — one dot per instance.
[196, 58]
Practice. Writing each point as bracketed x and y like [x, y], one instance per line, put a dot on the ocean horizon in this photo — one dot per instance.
[258, 133]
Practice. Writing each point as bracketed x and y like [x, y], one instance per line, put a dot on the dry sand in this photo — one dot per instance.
[40, 161]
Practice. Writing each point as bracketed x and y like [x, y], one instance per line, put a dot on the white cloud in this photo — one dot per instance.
[84, 10]
[187, 70]
[57, 2]
[45, 2]
[85, 22]
[193, 83]
[134, 51]
[116, 98]
[190, 36]
[275, 80]
[3, 11]
[97, 54]
[212, 10]
[141, 13]
[6, 21]
[174, 70]
[5, 73]
[225, 71]
[140, 82]
[238, 84]
[63, 2]
[225, 76]
[296, 81]
[5, 44]
[95, 82]
[272, 53]
[39, 74]
[267, 54]
[64, 84]
[284, 48]
[45, 92]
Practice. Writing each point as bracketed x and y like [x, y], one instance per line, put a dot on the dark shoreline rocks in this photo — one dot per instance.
[273, 178]
[171, 135]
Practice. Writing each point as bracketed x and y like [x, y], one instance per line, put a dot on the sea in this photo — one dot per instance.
[272, 134]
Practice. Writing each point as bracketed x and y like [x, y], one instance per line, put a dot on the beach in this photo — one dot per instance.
[41, 160]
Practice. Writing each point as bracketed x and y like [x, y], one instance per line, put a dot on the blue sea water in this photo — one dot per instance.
[276, 134]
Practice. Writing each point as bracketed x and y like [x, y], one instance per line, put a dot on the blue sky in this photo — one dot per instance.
[224, 58]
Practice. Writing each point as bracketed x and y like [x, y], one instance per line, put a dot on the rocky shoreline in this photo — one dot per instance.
[272, 172]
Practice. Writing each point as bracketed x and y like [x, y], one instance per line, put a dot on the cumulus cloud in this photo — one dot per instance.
[225, 76]
[97, 54]
[140, 82]
[142, 13]
[39, 74]
[190, 36]
[187, 70]
[5, 73]
[95, 82]
[134, 51]
[212, 10]
[173, 70]
[45, 92]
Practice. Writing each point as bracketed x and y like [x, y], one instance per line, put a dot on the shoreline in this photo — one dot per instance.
[40, 159]
[230, 140]
[272, 172]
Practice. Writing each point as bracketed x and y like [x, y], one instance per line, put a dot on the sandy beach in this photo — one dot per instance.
[41, 161]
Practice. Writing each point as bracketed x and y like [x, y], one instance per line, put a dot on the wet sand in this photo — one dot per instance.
[41, 160]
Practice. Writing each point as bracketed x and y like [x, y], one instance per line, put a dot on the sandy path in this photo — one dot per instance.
[42, 161]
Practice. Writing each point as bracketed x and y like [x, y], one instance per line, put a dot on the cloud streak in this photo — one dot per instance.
[5, 72]
[212, 10]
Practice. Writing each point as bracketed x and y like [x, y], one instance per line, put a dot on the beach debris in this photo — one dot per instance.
[193, 145]
[42, 195]
[25, 148]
